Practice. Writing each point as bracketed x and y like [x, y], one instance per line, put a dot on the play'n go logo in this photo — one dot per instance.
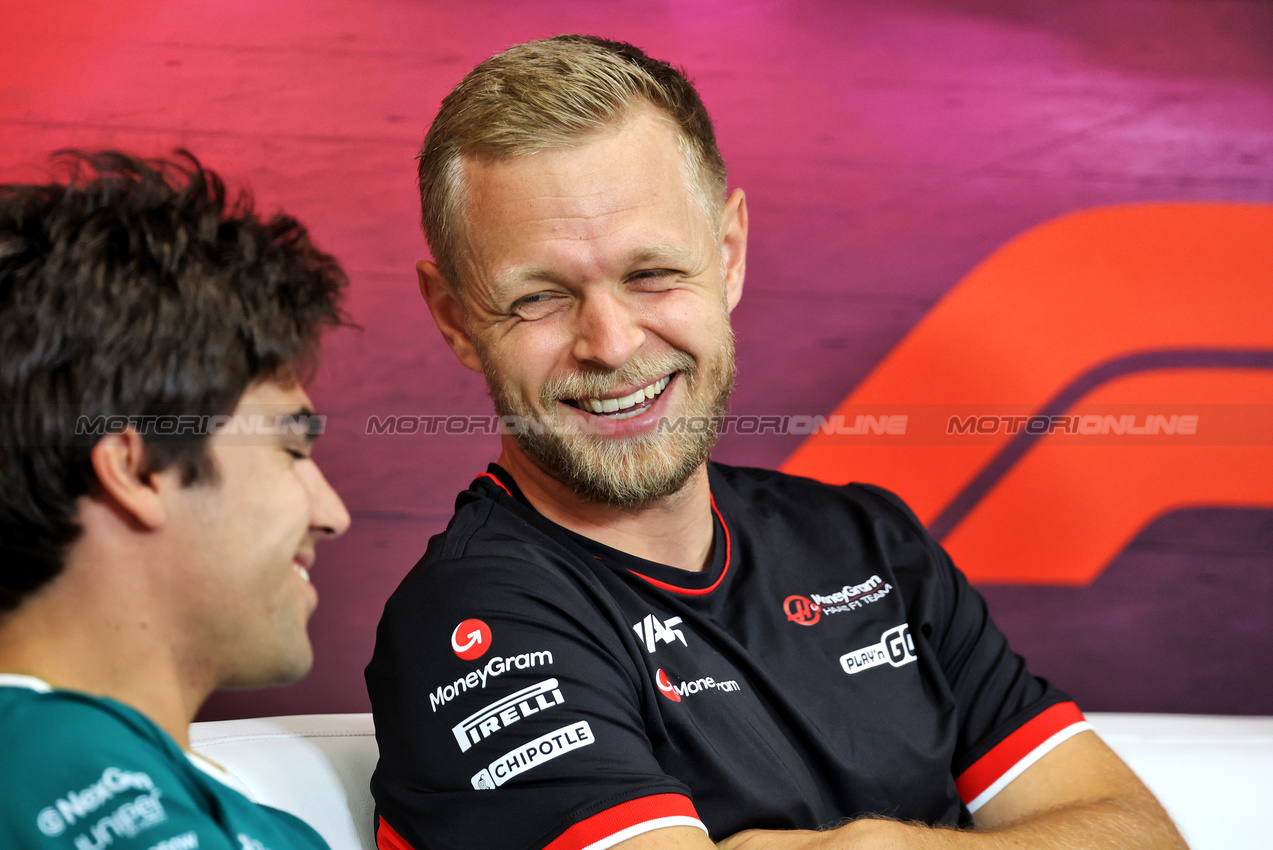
[802, 610]
[471, 639]
[896, 648]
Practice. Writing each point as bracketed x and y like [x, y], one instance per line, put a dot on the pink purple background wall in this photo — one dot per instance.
[887, 148]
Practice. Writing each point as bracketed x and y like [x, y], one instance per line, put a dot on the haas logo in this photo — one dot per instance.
[802, 610]
[665, 686]
[471, 639]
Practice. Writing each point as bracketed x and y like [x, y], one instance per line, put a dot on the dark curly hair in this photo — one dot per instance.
[135, 286]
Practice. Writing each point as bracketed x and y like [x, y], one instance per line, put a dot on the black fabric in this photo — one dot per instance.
[770, 730]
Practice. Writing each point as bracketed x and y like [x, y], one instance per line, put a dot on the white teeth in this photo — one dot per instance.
[614, 405]
[301, 571]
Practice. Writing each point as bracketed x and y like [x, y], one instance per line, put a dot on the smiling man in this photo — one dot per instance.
[616, 642]
[159, 505]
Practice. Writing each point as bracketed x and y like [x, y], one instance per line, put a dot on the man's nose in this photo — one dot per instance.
[608, 332]
[328, 513]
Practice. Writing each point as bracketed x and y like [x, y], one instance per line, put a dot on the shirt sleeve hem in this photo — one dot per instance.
[387, 838]
[626, 820]
[1038, 736]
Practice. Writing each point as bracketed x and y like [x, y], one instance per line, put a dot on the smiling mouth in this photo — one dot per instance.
[301, 565]
[623, 407]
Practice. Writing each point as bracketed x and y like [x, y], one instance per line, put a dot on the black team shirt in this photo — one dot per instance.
[533, 688]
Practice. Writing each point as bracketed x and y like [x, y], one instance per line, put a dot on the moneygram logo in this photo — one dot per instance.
[477, 679]
[471, 639]
[694, 686]
[895, 648]
[802, 610]
[665, 686]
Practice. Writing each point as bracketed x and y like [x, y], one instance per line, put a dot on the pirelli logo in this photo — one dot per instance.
[505, 712]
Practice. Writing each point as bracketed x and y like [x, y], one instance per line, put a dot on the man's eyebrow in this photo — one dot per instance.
[314, 424]
[661, 251]
[669, 251]
[517, 275]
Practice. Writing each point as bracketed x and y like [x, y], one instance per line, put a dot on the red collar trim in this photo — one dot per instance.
[496, 480]
[703, 591]
[662, 585]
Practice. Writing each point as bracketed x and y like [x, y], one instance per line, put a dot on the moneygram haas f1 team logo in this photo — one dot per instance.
[802, 610]
[895, 648]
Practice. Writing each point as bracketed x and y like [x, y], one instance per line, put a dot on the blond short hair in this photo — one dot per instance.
[551, 94]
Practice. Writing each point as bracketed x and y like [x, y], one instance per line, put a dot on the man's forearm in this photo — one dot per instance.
[1134, 822]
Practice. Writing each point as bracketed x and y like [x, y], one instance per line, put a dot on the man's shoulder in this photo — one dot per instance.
[493, 541]
[76, 767]
[769, 489]
[38, 720]
[489, 522]
[67, 756]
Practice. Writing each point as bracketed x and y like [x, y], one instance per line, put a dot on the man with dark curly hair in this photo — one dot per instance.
[159, 505]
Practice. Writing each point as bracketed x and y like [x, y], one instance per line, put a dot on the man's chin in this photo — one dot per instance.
[283, 671]
[629, 476]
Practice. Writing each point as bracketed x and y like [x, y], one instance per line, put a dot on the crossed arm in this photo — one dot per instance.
[1080, 795]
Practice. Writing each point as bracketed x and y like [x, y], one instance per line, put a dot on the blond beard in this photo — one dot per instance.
[628, 472]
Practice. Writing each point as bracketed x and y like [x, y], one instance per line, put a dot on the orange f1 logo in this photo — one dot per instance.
[1166, 308]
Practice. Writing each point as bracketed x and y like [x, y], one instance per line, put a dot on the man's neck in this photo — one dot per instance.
[677, 530]
[76, 639]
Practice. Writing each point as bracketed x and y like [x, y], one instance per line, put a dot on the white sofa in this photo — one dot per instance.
[1214, 774]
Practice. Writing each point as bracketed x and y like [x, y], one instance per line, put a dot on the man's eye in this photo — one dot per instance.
[653, 278]
[297, 454]
[536, 306]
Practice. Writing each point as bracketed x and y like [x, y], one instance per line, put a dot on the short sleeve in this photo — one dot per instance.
[77, 775]
[1007, 717]
[510, 714]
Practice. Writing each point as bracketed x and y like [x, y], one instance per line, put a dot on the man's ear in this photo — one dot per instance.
[448, 312]
[733, 247]
[119, 461]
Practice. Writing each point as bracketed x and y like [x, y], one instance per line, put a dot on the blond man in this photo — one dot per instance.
[618, 643]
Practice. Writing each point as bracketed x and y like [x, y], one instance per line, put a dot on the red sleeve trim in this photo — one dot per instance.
[703, 591]
[625, 820]
[1011, 756]
[387, 837]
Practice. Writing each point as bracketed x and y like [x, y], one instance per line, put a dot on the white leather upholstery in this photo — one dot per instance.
[1214, 774]
[316, 766]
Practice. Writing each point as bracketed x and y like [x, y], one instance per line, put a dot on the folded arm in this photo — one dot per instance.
[1080, 795]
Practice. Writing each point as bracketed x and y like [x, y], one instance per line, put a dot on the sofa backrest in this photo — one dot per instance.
[1213, 774]
[316, 766]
